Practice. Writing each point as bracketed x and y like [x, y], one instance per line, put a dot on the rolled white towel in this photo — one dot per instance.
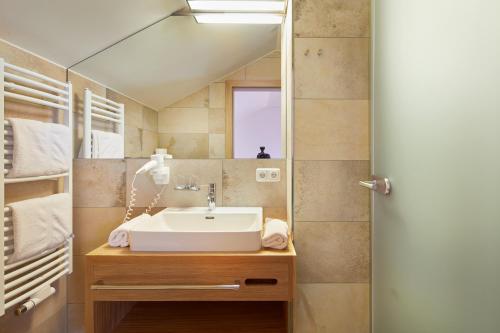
[120, 237]
[275, 234]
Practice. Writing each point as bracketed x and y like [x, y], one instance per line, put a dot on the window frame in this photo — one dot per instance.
[230, 85]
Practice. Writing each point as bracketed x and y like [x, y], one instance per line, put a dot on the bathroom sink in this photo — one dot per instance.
[199, 229]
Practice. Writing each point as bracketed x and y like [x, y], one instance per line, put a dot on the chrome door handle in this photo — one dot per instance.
[379, 185]
[371, 184]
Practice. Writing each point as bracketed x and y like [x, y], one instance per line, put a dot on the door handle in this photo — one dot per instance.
[377, 184]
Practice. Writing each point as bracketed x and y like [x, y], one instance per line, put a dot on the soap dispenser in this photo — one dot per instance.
[262, 154]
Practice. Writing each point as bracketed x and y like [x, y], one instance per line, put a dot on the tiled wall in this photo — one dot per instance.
[331, 154]
[195, 127]
[141, 126]
[102, 193]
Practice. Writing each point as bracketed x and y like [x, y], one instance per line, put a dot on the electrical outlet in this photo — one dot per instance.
[260, 175]
[266, 175]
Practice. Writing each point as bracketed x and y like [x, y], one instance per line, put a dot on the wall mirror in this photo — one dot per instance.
[199, 90]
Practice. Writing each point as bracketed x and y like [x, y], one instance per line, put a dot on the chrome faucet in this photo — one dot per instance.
[211, 196]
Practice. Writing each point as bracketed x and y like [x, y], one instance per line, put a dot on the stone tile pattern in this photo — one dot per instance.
[141, 126]
[194, 127]
[331, 154]
[50, 316]
[102, 192]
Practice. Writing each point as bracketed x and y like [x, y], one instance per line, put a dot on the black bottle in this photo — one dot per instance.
[262, 154]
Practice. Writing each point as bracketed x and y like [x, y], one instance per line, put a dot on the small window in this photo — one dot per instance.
[256, 121]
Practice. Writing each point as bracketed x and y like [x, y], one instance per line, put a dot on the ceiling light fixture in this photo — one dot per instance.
[238, 18]
[237, 6]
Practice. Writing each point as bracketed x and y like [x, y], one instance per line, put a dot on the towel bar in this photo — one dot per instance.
[33, 83]
[13, 86]
[34, 179]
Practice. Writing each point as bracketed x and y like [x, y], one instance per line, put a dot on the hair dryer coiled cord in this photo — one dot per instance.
[154, 202]
[131, 205]
[133, 194]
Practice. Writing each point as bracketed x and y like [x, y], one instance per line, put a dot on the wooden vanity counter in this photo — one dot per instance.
[117, 278]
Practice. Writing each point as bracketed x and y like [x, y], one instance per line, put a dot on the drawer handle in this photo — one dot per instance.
[167, 287]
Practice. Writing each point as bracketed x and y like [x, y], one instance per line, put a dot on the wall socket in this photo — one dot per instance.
[267, 175]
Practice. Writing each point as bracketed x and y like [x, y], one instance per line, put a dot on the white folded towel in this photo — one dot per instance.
[107, 145]
[40, 224]
[275, 234]
[40, 149]
[120, 237]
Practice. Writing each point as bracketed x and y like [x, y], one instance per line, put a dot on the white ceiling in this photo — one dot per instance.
[66, 31]
[157, 67]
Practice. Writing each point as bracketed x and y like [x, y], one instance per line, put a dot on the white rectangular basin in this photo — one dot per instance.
[198, 229]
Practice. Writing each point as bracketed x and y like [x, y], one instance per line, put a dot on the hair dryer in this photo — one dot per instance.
[157, 168]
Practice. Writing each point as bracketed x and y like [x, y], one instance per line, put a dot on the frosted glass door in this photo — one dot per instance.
[436, 116]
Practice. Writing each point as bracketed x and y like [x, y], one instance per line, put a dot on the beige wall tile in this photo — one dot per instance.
[203, 172]
[275, 213]
[264, 69]
[332, 130]
[76, 280]
[216, 121]
[241, 189]
[339, 308]
[185, 145]
[332, 68]
[150, 119]
[183, 120]
[99, 183]
[76, 318]
[19, 57]
[49, 316]
[329, 191]
[150, 141]
[334, 18]
[17, 109]
[197, 100]
[92, 227]
[217, 95]
[332, 252]
[217, 145]
[133, 110]
[133, 145]
[28, 190]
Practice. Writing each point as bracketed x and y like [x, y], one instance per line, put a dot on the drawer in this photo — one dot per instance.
[191, 278]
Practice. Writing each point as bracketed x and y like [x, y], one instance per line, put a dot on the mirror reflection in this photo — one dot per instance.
[198, 90]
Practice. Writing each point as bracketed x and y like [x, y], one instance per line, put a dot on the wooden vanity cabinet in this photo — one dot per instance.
[118, 280]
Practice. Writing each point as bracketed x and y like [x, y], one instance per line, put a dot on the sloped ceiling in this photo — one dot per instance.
[176, 57]
[66, 31]
[157, 67]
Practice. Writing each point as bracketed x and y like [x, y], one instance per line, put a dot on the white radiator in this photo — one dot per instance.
[102, 109]
[26, 283]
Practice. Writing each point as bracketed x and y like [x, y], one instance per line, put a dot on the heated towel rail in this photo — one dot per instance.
[26, 283]
[102, 109]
